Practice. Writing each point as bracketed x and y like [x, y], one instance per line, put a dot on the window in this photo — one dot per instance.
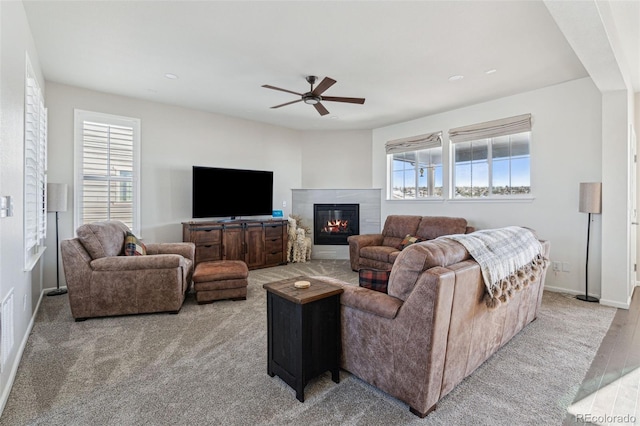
[492, 159]
[107, 168]
[35, 164]
[415, 167]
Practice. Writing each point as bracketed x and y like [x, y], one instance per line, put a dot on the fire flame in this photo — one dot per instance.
[336, 225]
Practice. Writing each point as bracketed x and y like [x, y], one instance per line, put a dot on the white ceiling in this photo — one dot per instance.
[397, 55]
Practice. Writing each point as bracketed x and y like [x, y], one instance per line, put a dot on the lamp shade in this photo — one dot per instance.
[590, 197]
[56, 197]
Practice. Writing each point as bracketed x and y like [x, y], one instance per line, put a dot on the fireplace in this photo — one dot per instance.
[333, 223]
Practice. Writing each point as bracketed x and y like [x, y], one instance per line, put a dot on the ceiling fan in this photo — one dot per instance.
[313, 96]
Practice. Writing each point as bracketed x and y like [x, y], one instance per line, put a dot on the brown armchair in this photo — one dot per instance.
[103, 282]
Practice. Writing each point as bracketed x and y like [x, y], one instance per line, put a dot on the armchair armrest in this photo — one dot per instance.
[132, 263]
[366, 240]
[357, 242]
[371, 301]
[187, 250]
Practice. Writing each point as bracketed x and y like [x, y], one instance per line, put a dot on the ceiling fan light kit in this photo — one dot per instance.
[313, 96]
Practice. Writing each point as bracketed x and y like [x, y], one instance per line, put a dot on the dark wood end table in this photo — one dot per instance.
[303, 331]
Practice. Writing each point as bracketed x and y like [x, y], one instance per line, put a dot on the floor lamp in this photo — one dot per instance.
[590, 202]
[57, 202]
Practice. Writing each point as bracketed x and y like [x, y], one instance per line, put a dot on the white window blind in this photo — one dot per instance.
[414, 143]
[35, 163]
[106, 168]
[491, 129]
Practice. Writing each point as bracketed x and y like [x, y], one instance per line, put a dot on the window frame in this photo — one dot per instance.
[80, 116]
[491, 195]
[416, 186]
[416, 145]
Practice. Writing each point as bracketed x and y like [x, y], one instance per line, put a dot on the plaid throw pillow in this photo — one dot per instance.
[408, 240]
[374, 279]
[133, 246]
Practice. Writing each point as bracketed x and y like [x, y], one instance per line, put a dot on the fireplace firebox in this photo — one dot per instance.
[333, 223]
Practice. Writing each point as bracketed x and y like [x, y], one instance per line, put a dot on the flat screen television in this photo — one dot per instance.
[219, 192]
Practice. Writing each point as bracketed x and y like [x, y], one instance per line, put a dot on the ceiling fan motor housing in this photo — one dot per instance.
[310, 99]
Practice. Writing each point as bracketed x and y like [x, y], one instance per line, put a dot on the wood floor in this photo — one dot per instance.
[610, 392]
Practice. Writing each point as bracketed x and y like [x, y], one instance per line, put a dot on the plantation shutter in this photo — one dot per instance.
[414, 143]
[35, 159]
[107, 173]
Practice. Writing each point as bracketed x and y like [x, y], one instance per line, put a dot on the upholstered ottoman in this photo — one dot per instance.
[220, 279]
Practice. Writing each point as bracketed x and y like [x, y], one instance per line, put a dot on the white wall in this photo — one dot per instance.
[15, 42]
[565, 150]
[173, 139]
[336, 159]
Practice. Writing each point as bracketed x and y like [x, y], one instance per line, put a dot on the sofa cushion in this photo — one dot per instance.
[419, 257]
[374, 279]
[432, 227]
[133, 246]
[393, 256]
[396, 227]
[102, 239]
[379, 253]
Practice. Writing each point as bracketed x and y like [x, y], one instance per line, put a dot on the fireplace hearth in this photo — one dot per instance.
[333, 223]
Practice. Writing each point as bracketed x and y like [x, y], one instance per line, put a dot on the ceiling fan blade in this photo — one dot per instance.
[341, 99]
[285, 104]
[266, 86]
[324, 85]
[321, 109]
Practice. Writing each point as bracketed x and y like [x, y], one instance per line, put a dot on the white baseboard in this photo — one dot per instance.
[605, 302]
[565, 290]
[14, 368]
[615, 304]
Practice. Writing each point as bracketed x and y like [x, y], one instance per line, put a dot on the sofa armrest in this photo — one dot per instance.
[133, 263]
[373, 302]
[187, 250]
[357, 242]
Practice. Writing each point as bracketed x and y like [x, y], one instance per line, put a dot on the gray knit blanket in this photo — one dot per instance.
[509, 258]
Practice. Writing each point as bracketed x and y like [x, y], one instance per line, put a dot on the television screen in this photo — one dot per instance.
[219, 192]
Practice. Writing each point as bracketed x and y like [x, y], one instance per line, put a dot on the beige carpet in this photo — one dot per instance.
[207, 366]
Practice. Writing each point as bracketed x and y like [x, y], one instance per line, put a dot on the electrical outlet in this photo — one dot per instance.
[565, 267]
[284, 204]
[555, 266]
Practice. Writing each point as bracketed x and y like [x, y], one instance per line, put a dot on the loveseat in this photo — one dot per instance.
[101, 281]
[379, 251]
[433, 327]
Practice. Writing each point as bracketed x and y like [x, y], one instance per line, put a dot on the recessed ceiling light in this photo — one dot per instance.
[456, 77]
[171, 76]
[491, 71]
[334, 117]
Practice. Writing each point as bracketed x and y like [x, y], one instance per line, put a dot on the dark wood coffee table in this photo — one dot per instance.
[303, 331]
